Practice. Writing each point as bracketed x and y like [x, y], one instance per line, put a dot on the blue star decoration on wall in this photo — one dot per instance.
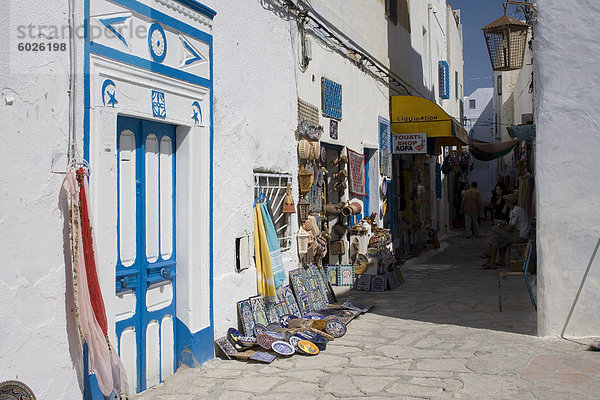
[197, 113]
[159, 108]
[107, 85]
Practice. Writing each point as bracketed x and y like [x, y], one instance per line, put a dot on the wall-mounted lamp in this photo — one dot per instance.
[506, 38]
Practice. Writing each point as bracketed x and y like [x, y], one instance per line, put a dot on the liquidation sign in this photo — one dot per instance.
[409, 143]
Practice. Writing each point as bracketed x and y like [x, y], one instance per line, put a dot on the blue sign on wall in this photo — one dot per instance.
[385, 147]
[331, 98]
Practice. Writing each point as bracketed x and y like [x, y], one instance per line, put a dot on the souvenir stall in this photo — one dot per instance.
[420, 130]
[456, 167]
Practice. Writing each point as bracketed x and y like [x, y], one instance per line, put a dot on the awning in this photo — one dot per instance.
[411, 114]
[489, 151]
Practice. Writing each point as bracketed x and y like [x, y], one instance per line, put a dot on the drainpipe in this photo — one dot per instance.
[430, 66]
[72, 146]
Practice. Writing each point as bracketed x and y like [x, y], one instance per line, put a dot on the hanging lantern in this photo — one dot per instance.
[305, 180]
[303, 209]
[288, 202]
[506, 39]
[302, 237]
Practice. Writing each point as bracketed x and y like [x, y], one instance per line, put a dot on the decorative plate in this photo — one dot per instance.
[234, 336]
[335, 328]
[276, 335]
[283, 348]
[265, 341]
[308, 347]
[261, 356]
[258, 329]
[323, 154]
[313, 316]
[306, 335]
[15, 390]
[293, 340]
[247, 341]
[283, 321]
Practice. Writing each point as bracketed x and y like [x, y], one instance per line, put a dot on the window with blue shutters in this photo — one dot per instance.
[444, 77]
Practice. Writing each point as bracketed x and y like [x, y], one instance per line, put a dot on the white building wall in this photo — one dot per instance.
[454, 57]
[34, 346]
[254, 119]
[568, 198]
[480, 125]
[523, 97]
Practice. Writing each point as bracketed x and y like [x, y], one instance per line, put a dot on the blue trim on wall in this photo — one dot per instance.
[149, 65]
[156, 27]
[201, 343]
[192, 347]
[165, 19]
[198, 7]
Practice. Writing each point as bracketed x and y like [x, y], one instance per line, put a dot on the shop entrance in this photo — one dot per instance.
[145, 270]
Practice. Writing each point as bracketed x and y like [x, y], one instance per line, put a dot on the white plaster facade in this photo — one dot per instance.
[480, 125]
[255, 83]
[513, 103]
[34, 113]
[566, 116]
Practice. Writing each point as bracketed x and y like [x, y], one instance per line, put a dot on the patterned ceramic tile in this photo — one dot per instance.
[246, 316]
[258, 310]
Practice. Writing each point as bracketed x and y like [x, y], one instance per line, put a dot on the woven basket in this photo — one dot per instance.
[315, 150]
[304, 149]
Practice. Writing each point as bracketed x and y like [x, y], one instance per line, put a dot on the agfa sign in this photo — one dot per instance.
[409, 143]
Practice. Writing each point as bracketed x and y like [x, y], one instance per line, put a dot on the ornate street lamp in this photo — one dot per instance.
[506, 38]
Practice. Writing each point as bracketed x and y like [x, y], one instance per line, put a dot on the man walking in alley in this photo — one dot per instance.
[503, 234]
[471, 208]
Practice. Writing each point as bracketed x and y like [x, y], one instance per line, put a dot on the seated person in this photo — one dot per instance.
[498, 205]
[503, 234]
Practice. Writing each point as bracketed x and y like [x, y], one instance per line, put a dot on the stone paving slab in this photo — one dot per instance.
[438, 336]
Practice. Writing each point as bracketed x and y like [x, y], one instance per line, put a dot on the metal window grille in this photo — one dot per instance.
[274, 186]
[444, 78]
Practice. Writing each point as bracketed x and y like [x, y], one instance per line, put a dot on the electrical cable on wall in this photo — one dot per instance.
[322, 30]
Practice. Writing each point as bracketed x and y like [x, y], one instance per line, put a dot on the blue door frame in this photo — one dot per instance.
[142, 274]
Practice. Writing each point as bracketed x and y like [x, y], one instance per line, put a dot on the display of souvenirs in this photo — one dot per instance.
[378, 283]
[331, 274]
[346, 275]
[258, 329]
[282, 309]
[310, 131]
[246, 316]
[271, 311]
[298, 284]
[226, 347]
[258, 310]
[285, 295]
[283, 348]
[335, 328]
[363, 282]
[261, 356]
[319, 273]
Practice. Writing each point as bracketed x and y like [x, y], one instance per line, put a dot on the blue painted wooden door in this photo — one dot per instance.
[145, 271]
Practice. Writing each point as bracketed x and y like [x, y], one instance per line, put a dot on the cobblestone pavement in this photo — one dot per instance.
[437, 336]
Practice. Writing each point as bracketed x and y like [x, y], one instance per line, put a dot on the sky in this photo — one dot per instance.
[475, 14]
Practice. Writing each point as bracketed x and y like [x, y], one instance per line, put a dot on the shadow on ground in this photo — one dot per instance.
[450, 288]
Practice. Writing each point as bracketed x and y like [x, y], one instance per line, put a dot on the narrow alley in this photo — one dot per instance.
[439, 335]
